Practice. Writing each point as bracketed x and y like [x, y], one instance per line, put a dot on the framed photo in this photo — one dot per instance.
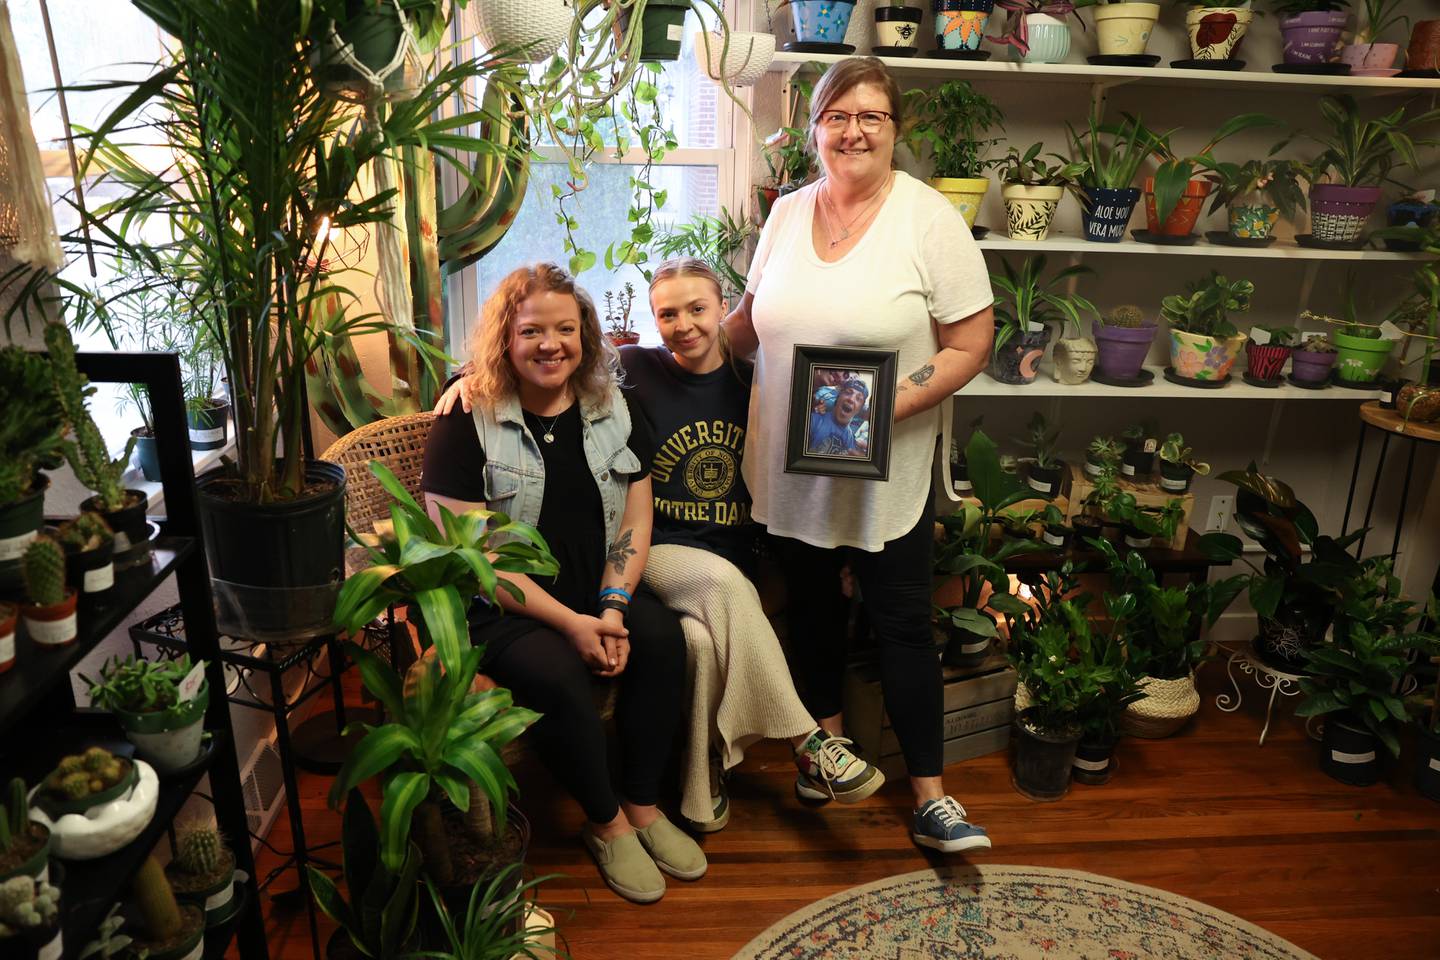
[842, 407]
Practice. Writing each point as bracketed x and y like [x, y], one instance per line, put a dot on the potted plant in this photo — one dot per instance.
[1408, 220]
[1123, 28]
[207, 415]
[500, 920]
[1310, 29]
[1179, 465]
[1297, 589]
[968, 553]
[897, 29]
[1046, 471]
[1256, 194]
[378, 921]
[1089, 523]
[1266, 350]
[170, 930]
[1031, 190]
[1036, 31]
[1313, 357]
[1361, 349]
[1204, 344]
[716, 240]
[790, 166]
[821, 21]
[1355, 161]
[524, 30]
[24, 843]
[960, 26]
[1215, 29]
[32, 440]
[1176, 194]
[89, 546]
[1054, 532]
[1140, 526]
[1025, 306]
[1107, 158]
[160, 705]
[1367, 55]
[1122, 342]
[617, 316]
[49, 614]
[951, 121]
[1100, 452]
[30, 914]
[84, 780]
[203, 871]
[1141, 442]
[1103, 708]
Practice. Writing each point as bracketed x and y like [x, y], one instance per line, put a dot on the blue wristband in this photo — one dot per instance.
[615, 591]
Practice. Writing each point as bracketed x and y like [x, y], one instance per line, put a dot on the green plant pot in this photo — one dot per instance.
[1357, 359]
[57, 807]
[169, 740]
[662, 27]
[33, 865]
[19, 522]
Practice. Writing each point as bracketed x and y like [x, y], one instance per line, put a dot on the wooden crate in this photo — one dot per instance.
[1145, 494]
[979, 707]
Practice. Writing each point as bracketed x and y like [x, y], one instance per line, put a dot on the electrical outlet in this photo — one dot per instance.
[1219, 516]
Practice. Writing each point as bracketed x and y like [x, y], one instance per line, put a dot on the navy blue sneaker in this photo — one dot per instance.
[941, 825]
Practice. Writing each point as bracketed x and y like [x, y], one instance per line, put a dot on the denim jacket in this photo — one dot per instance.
[515, 471]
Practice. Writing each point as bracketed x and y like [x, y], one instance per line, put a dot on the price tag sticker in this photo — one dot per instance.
[1259, 336]
[190, 686]
[1388, 331]
[1151, 444]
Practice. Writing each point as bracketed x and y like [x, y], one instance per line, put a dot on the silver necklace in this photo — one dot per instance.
[549, 435]
[833, 214]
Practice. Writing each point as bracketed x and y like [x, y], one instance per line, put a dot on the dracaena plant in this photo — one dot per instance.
[1176, 170]
[1205, 307]
[1026, 299]
[1362, 153]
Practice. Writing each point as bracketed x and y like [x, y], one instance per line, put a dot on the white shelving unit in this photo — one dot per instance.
[1279, 250]
[1237, 389]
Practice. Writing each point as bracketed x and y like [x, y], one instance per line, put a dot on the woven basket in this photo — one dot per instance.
[1163, 710]
[527, 30]
[397, 442]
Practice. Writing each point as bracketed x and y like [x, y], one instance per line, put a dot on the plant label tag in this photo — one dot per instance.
[1259, 336]
[13, 548]
[1126, 468]
[98, 579]
[1151, 445]
[1042, 485]
[214, 435]
[1168, 484]
[1388, 331]
[1137, 543]
[1340, 756]
[190, 686]
[676, 31]
[1054, 539]
[1032, 326]
[962, 485]
[1094, 766]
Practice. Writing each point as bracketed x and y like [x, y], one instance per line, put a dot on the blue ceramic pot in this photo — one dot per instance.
[960, 24]
[1107, 213]
[821, 21]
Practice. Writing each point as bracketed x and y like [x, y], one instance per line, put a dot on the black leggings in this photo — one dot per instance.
[544, 672]
[896, 584]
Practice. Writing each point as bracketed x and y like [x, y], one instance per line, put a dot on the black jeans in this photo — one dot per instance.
[544, 672]
[896, 585]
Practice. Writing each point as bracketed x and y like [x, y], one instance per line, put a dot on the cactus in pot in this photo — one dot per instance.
[27, 904]
[50, 614]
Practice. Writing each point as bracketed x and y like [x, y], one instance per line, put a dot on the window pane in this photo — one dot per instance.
[601, 209]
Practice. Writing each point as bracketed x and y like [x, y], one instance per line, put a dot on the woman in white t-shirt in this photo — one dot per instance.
[866, 257]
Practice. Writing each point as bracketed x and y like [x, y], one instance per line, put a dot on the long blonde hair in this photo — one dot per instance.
[695, 267]
[492, 378]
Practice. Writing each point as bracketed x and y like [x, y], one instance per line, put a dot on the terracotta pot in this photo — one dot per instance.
[1181, 221]
[624, 339]
[1215, 32]
[1424, 50]
[52, 626]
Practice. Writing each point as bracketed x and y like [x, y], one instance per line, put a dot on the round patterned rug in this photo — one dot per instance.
[1013, 913]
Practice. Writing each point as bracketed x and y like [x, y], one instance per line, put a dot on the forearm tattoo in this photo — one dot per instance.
[922, 376]
[620, 552]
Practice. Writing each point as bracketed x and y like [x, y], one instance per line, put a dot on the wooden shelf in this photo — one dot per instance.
[1392, 422]
[1279, 250]
[1237, 389]
[1257, 77]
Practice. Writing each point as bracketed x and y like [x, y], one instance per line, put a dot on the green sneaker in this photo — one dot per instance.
[625, 867]
[830, 771]
[719, 801]
[672, 849]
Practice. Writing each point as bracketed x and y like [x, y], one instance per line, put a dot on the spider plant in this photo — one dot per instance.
[1026, 300]
[1376, 17]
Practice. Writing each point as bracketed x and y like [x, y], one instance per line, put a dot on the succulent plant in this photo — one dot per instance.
[1126, 315]
[14, 815]
[199, 850]
[87, 453]
[43, 567]
[77, 776]
[71, 764]
[155, 900]
[32, 431]
[97, 758]
[27, 903]
[86, 532]
[139, 686]
[76, 786]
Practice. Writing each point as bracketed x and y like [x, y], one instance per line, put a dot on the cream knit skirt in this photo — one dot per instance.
[739, 687]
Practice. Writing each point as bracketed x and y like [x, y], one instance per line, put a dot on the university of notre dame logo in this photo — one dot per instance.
[710, 473]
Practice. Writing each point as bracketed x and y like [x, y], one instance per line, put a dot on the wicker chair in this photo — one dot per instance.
[397, 442]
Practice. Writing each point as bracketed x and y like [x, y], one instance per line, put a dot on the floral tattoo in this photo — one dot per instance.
[620, 552]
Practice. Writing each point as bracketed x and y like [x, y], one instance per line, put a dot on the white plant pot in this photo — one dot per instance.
[105, 827]
[1124, 28]
[531, 29]
[1029, 210]
[1049, 39]
[745, 62]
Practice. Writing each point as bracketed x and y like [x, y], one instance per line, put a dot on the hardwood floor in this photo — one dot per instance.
[1346, 873]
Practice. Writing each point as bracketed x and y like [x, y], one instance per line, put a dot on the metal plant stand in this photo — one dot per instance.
[1389, 423]
[1276, 681]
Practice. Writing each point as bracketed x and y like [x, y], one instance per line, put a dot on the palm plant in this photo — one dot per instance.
[32, 432]
[1175, 171]
[715, 240]
[1026, 302]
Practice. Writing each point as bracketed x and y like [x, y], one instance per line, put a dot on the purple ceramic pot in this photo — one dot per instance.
[1311, 367]
[1312, 37]
[1122, 349]
[1338, 213]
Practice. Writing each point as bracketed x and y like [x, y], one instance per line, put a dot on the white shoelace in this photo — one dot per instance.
[832, 758]
[949, 812]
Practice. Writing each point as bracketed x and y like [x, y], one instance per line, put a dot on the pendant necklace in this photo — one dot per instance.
[549, 435]
[832, 214]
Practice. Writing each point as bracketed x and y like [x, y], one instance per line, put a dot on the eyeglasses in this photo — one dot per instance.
[870, 121]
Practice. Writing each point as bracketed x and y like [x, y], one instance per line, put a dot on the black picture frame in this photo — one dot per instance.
[827, 445]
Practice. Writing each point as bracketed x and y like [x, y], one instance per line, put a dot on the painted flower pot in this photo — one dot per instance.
[1370, 59]
[1048, 37]
[1029, 210]
[743, 64]
[1122, 350]
[817, 21]
[1358, 359]
[19, 522]
[960, 24]
[897, 26]
[1310, 367]
[9, 619]
[662, 26]
[1074, 359]
[1349, 752]
[1018, 361]
[1264, 361]
[1215, 32]
[1283, 640]
[964, 194]
[1106, 213]
[1418, 404]
[1181, 222]
[54, 625]
[1124, 28]
[1424, 50]
[1313, 36]
[1043, 760]
[1427, 763]
[168, 739]
[1251, 216]
[1200, 357]
[1338, 213]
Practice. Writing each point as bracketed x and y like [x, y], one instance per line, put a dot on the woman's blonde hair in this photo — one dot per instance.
[694, 267]
[844, 76]
[493, 379]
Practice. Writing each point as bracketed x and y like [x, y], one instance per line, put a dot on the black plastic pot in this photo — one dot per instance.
[1137, 463]
[1427, 763]
[1093, 468]
[1094, 761]
[209, 425]
[1046, 481]
[132, 530]
[960, 477]
[91, 571]
[1018, 361]
[1135, 538]
[1087, 528]
[1283, 639]
[276, 566]
[963, 648]
[457, 896]
[18, 523]
[1390, 392]
[1350, 753]
[1175, 477]
[1057, 536]
[1043, 761]
[661, 24]
[147, 454]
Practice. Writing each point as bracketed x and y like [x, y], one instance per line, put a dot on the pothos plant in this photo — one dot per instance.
[1206, 306]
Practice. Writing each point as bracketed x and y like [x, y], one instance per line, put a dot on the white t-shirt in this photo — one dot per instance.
[917, 265]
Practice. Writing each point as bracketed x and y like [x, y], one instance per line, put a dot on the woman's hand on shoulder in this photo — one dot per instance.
[455, 392]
